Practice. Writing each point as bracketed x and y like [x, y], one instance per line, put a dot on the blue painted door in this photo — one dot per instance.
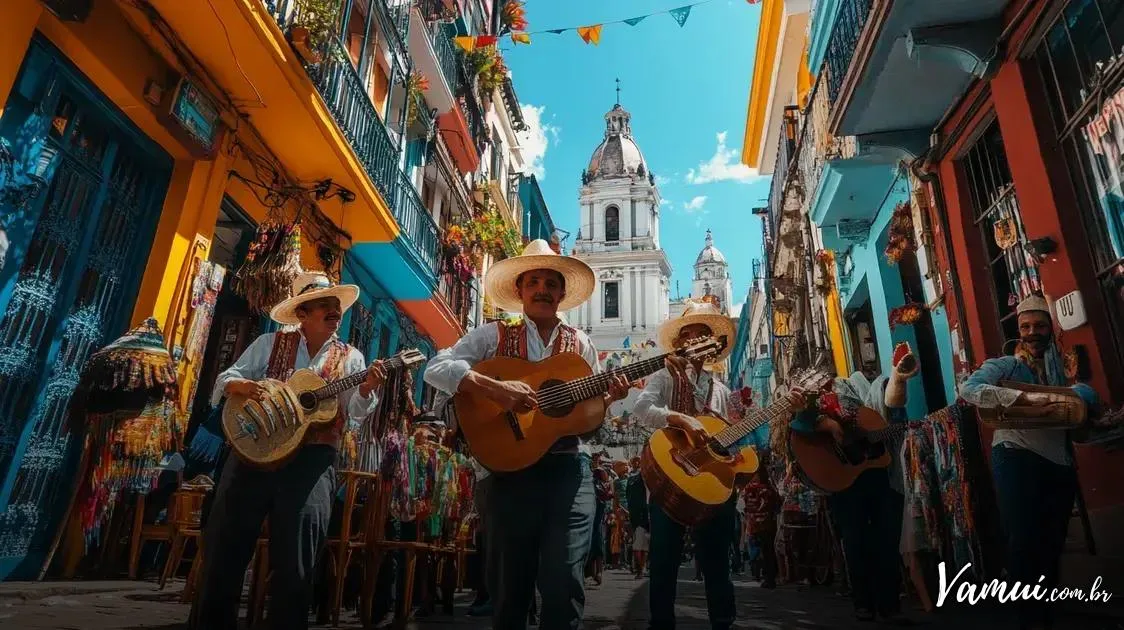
[70, 283]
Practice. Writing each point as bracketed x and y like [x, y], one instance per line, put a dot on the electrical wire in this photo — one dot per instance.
[238, 64]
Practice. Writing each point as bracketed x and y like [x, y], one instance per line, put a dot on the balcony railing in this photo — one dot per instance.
[449, 58]
[844, 38]
[416, 221]
[470, 107]
[816, 144]
[786, 151]
[351, 107]
[461, 297]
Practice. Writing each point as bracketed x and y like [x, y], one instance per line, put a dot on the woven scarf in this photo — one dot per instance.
[683, 396]
[1049, 370]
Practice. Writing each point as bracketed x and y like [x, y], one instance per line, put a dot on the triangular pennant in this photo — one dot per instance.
[681, 14]
[558, 31]
[467, 43]
[486, 40]
[590, 34]
[634, 21]
[521, 38]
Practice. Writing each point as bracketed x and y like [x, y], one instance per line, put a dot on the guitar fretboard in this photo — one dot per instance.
[598, 384]
[730, 435]
[335, 388]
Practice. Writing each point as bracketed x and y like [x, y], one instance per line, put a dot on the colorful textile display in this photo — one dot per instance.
[127, 396]
[431, 483]
[937, 492]
[273, 262]
[205, 290]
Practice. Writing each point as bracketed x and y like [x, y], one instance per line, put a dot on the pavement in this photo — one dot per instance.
[620, 603]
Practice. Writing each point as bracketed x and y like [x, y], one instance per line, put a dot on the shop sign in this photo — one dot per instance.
[196, 115]
[1070, 310]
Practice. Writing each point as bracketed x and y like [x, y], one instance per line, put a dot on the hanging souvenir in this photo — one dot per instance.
[271, 265]
[906, 314]
[126, 398]
[901, 238]
[1006, 233]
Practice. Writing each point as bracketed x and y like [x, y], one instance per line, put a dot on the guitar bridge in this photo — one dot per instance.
[516, 429]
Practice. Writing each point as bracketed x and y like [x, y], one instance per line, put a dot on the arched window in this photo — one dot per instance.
[612, 224]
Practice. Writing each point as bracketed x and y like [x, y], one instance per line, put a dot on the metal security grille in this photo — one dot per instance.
[362, 333]
[1014, 273]
[72, 293]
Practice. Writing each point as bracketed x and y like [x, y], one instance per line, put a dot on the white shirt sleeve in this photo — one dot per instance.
[250, 366]
[358, 407]
[652, 404]
[447, 368]
[589, 353]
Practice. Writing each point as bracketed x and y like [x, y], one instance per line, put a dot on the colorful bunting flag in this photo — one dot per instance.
[521, 38]
[634, 21]
[681, 14]
[486, 40]
[558, 31]
[590, 34]
[466, 43]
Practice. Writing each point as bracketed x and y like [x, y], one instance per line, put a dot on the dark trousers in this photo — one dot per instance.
[1035, 505]
[737, 561]
[870, 523]
[766, 541]
[539, 522]
[712, 541]
[297, 498]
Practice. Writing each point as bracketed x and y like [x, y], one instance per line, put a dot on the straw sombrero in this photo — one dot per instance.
[312, 285]
[699, 313]
[500, 281]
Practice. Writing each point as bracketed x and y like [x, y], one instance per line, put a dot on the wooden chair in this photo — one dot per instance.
[259, 581]
[185, 513]
[145, 532]
[343, 548]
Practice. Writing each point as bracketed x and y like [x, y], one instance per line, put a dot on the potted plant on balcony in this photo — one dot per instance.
[416, 86]
[488, 65]
[513, 18]
[314, 21]
[825, 260]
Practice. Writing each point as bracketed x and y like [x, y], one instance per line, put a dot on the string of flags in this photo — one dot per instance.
[590, 34]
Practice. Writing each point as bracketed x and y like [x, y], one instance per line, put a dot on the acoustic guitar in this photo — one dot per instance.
[266, 433]
[692, 481]
[832, 467]
[571, 402]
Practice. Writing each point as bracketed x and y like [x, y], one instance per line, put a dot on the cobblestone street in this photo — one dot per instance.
[621, 602]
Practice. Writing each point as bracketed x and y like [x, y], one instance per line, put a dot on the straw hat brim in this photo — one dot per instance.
[719, 325]
[285, 313]
[500, 282]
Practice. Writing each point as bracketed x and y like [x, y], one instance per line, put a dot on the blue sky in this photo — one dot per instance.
[683, 87]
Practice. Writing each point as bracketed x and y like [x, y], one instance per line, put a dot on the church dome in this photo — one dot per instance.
[710, 253]
[618, 154]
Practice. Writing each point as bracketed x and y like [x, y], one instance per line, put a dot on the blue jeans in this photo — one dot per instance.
[869, 514]
[1035, 504]
[712, 548]
[539, 524]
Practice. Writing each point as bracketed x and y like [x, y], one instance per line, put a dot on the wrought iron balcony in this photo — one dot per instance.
[786, 151]
[449, 58]
[470, 107]
[461, 296]
[849, 23]
[416, 221]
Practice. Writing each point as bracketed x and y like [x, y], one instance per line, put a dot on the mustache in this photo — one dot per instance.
[1035, 338]
[543, 297]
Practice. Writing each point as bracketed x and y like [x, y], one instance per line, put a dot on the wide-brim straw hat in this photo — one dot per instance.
[313, 285]
[703, 313]
[500, 281]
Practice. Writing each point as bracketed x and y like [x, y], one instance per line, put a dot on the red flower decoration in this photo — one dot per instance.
[829, 405]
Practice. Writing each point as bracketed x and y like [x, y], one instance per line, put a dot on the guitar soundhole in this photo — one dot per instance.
[307, 401]
[556, 406]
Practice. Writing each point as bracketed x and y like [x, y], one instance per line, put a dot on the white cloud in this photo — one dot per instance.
[536, 139]
[724, 165]
[662, 181]
[695, 204]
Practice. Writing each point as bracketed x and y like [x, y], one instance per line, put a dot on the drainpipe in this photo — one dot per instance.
[933, 181]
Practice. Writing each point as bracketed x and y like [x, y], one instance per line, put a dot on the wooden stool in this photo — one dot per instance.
[185, 514]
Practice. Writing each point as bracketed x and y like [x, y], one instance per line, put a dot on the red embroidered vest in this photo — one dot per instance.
[282, 364]
[683, 396]
[513, 340]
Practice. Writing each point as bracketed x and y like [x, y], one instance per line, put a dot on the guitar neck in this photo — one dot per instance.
[336, 388]
[598, 384]
[730, 435]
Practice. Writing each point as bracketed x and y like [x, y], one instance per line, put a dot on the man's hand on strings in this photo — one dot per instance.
[618, 388]
[376, 376]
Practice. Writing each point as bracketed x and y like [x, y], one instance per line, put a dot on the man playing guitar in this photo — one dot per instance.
[673, 397]
[297, 497]
[539, 518]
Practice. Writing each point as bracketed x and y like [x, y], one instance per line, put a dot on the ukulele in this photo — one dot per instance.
[691, 481]
[266, 433]
[571, 402]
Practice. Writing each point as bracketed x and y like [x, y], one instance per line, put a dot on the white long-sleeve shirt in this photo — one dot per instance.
[447, 369]
[254, 362]
[653, 406]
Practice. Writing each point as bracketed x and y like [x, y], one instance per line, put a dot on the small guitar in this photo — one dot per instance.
[266, 433]
[570, 403]
[691, 482]
[833, 467]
